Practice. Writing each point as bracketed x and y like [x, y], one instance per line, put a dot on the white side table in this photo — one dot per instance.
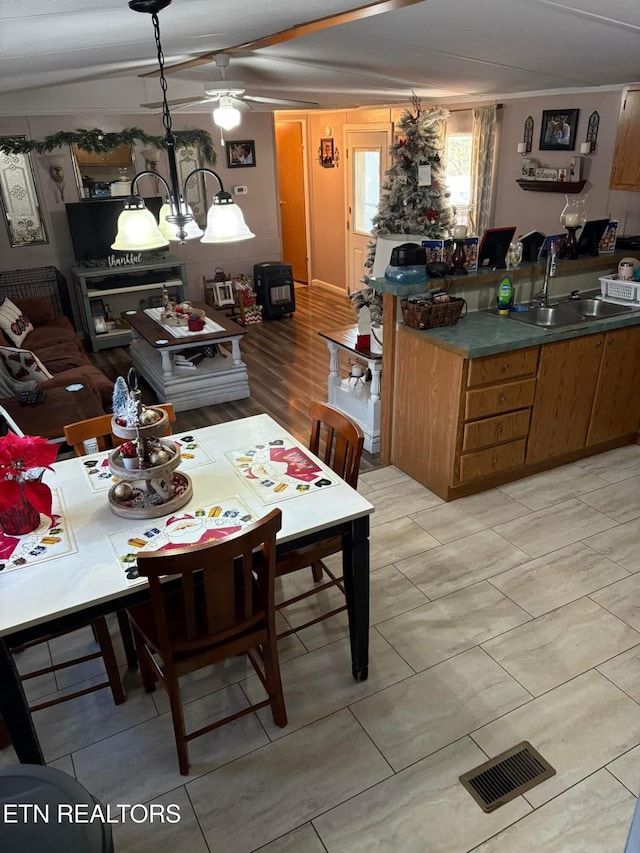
[358, 400]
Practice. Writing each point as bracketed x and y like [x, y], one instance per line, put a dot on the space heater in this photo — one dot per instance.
[273, 283]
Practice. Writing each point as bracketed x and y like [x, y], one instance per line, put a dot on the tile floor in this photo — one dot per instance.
[507, 616]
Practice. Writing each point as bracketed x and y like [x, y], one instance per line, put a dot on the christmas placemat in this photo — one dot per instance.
[100, 478]
[52, 538]
[279, 469]
[192, 527]
[210, 328]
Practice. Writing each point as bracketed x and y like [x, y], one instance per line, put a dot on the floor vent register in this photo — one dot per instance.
[506, 776]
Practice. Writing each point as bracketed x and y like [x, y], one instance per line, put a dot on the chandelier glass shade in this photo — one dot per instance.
[226, 115]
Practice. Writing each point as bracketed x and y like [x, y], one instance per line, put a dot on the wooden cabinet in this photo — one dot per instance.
[464, 425]
[625, 171]
[616, 406]
[120, 156]
[567, 376]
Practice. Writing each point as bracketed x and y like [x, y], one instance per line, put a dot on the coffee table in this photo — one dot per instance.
[216, 379]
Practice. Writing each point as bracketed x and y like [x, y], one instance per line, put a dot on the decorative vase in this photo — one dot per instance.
[20, 518]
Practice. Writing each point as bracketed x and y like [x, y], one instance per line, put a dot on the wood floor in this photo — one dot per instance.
[287, 361]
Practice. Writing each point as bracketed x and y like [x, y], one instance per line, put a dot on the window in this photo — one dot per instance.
[366, 188]
[458, 170]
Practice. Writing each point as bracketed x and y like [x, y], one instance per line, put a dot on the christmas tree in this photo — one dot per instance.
[412, 200]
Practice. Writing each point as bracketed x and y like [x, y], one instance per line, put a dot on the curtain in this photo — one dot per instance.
[484, 149]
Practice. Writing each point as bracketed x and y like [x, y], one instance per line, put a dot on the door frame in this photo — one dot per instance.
[304, 127]
[348, 174]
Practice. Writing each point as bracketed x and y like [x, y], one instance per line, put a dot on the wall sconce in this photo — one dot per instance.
[589, 145]
[524, 147]
[56, 170]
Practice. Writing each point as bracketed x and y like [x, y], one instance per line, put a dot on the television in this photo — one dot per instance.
[591, 235]
[494, 247]
[93, 225]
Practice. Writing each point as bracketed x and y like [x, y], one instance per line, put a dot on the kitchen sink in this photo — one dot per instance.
[548, 316]
[594, 309]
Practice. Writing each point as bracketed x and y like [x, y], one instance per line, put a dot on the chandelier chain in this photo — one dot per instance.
[166, 115]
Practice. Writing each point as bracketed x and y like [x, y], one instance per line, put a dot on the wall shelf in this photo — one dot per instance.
[551, 186]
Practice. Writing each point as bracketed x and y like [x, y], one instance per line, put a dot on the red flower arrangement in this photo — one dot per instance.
[19, 456]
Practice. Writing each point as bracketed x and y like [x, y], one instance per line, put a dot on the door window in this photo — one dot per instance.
[366, 180]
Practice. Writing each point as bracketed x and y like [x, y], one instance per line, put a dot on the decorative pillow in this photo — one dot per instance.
[22, 364]
[13, 322]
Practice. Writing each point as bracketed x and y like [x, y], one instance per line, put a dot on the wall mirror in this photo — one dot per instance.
[19, 200]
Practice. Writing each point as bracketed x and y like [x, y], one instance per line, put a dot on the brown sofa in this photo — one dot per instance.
[55, 342]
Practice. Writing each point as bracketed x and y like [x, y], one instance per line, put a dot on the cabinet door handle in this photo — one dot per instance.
[498, 429]
[494, 461]
[502, 399]
[505, 366]
[610, 341]
[599, 344]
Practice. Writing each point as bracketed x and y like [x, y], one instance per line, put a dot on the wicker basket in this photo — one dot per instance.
[430, 316]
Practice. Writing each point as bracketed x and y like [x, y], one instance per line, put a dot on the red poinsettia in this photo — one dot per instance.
[19, 456]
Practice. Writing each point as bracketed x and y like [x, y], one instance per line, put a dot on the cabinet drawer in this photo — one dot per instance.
[508, 365]
[499, 398]
[494, 430]
[482, 463]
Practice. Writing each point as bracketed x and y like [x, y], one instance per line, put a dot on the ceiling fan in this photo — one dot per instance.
[229, 94]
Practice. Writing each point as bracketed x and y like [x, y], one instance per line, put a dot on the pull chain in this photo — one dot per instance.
[166, 115]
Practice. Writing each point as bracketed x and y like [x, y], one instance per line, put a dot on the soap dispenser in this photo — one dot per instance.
[504, 296]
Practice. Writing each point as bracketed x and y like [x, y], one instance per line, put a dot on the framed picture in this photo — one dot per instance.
[327, 153]
[241, 154]
[223, 294]
[558, 131]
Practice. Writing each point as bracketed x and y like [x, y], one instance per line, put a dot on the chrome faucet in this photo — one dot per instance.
[542, 296]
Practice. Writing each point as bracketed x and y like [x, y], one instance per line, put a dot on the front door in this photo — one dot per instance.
[367, 149]
[290, 150]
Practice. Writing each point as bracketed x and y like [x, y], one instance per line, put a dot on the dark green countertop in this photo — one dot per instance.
[483, 333]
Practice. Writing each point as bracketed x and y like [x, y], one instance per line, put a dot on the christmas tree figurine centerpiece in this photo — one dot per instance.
[145, 463]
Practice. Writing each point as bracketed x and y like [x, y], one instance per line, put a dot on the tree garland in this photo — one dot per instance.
[98, 142]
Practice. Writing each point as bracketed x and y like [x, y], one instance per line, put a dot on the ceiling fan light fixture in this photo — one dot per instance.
[168, 228]
[137, 229]
[226, 115]
[225, 222]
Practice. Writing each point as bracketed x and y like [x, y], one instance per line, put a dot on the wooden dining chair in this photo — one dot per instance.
[338, 441]
[99, 429]
[105, 651]
[218, 603]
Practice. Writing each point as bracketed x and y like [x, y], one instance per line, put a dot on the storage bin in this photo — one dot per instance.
[431, 315]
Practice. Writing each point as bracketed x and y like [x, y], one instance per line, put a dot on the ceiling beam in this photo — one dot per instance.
[296, 31]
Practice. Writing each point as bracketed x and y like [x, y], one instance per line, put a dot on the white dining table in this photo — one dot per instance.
[62, 593]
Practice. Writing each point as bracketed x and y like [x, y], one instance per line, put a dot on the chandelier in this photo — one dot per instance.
[138, 230]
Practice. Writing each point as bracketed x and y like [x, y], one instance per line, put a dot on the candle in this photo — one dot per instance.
[460, 232]
[572, 220]
[522, 147]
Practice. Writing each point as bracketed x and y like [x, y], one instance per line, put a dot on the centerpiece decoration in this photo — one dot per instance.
[23, 497]
[182, 314]
[145, 463]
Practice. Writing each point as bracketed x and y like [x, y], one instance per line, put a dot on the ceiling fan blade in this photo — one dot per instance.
[368, 10]
[176, 102]
[286, 101]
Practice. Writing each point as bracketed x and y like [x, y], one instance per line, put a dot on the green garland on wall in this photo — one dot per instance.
[99, 142]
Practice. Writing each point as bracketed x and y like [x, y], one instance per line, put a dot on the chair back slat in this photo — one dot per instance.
[337, 440]
[220, 594]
